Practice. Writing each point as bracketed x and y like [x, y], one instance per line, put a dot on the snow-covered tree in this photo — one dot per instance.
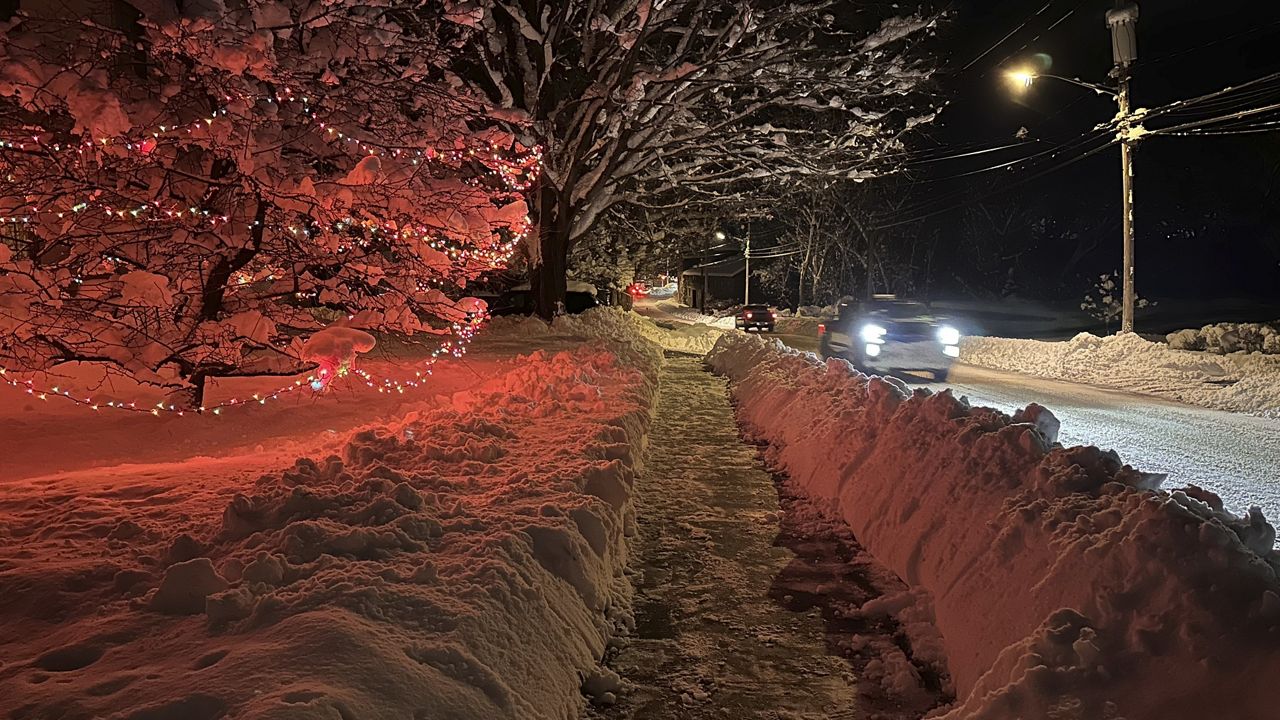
[1104, 299]
[674, 104]
[828, 244]
[632, 242]
[190, 189]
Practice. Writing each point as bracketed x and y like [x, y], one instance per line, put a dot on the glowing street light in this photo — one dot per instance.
[1021, 78]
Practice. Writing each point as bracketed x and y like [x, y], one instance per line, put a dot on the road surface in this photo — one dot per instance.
[1236, 456]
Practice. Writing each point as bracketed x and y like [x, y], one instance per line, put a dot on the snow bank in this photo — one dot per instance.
[1063, 584]
[1229, 338]
[664, 291]
[1238, 382]
[607, 322]
[691, 315]
[464, 562]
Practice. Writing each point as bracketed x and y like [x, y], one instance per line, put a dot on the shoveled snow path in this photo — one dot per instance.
[745, 607]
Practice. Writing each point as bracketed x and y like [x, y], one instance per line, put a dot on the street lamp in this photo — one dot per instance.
[1024, 78]
[1122, 22]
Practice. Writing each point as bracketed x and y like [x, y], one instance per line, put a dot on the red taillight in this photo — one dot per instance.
[748, 314]
[822, 329]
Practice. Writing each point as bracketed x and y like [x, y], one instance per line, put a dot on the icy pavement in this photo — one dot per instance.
[745, 608]
[1231, 454]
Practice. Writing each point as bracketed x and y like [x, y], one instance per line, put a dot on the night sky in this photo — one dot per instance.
[1207, 216]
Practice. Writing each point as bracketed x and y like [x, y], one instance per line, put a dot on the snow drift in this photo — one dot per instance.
[1237, 382]
[464, 562]
[1064, 584]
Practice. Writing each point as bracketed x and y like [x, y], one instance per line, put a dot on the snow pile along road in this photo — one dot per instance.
[1063, 584]
[465, 562]
[609, 322]
[691, 315]
[1248, 383]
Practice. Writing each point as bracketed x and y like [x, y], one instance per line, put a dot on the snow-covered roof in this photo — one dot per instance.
[720, 268]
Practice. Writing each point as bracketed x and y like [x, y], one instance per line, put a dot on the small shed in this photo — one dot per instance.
[721, 281]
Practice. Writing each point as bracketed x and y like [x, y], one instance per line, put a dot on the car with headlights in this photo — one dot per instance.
[888, 335]
[755, 317]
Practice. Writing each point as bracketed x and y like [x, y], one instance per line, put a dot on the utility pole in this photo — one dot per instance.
[1123, 21]
[706, 260]
[746, 253]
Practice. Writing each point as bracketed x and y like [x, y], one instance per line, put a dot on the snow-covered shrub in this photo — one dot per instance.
[1185, 340]
[1105, 300]
[1229, 338]
[188, 193]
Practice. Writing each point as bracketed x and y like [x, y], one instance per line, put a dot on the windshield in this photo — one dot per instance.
[900, 310]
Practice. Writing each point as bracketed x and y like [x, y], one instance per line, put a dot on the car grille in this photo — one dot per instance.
[912, 331]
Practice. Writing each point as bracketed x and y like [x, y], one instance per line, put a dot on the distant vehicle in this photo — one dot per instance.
[520, 302]
[887, 335]
[755, 317]
[638, 289]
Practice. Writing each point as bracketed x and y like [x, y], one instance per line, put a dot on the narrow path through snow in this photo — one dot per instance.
[745, 607]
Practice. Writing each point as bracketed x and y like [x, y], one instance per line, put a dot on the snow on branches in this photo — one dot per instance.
[191, 190]
[682, 103]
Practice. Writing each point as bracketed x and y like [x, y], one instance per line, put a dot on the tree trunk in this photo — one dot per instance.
[197, 390]
[547, 279]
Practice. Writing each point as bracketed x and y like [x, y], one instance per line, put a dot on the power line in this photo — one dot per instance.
[1011, 33]
[1063, 147]
[1250, 130]
[923, 212]
[1060, 20]
[943, 158]
[1179, 104]
[1211, 43]
[1210, 121]
[1226, 97]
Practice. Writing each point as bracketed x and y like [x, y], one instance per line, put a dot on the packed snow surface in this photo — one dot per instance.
[462, 560]
[1064, 583]
[1238, 382]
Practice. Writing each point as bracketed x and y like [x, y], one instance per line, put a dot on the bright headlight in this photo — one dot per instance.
[872, 333]
[948, 335]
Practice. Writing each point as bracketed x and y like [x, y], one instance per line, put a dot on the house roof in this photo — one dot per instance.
[721, 268]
